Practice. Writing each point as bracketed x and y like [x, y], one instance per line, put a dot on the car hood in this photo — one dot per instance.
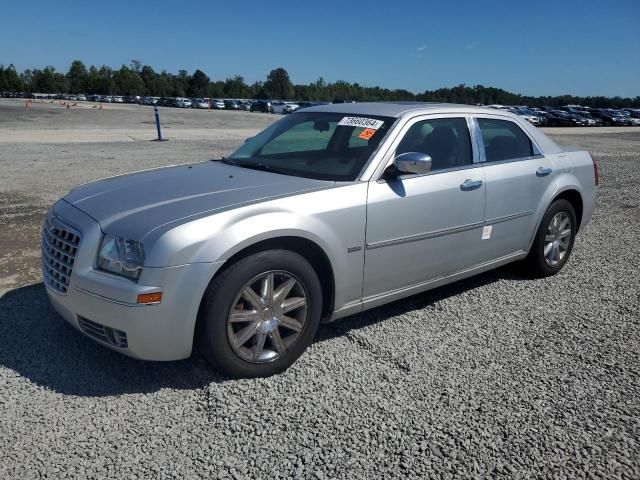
[133, 205]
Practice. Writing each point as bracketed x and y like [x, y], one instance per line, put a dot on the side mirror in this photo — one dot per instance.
[247, 139]
[412, 162]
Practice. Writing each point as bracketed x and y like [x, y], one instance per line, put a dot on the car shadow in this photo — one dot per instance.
[37, 344]
[419, 301]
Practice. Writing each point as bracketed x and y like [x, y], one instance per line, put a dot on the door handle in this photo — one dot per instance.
[543, 172]
[470, 185]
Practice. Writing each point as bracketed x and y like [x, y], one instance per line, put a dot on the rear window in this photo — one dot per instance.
[504, 140]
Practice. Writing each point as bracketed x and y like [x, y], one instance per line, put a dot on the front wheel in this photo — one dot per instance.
[260, 314]
[554, 239]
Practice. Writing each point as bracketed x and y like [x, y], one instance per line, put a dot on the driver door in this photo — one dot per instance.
[427, 226]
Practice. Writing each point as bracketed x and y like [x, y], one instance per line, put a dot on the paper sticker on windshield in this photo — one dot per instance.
[371, 123]
[367, 133]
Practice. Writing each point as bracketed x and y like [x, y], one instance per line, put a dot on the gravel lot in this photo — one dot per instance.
[498, 376]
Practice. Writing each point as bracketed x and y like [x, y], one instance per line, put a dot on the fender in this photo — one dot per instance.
[311, 216]
[565, 182]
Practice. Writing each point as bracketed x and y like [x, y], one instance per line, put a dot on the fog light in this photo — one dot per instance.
[150, 297]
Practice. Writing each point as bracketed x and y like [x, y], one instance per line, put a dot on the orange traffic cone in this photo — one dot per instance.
[100, 106]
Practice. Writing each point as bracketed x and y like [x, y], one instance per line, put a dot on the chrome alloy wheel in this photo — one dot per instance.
[267, 316]
[557, 239]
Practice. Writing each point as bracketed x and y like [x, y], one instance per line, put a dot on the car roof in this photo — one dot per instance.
[396, 109]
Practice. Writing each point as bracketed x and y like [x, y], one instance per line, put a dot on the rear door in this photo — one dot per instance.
[422, 227]
[517, 174]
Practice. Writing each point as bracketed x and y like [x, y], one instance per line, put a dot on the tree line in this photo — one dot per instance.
[138, 79]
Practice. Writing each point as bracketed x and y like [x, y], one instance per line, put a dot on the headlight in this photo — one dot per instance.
[121, 256]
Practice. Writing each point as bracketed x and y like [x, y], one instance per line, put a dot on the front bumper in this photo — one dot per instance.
[103, 306]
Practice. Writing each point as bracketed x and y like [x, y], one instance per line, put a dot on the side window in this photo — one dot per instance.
[302, 137]
[503, 140]
[445, 140]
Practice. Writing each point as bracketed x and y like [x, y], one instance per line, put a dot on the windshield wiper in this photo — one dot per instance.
[256, 166]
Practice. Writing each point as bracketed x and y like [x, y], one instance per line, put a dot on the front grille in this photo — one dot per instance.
[59, 247]
[104, 334]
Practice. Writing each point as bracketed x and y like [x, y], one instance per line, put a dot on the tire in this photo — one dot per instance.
[260, 334]
[544, 261]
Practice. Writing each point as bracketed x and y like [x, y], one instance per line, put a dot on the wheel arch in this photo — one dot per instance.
[306, 248]
[568, 192]
[574, 197]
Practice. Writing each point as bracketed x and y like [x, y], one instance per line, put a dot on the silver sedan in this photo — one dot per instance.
[330, 211]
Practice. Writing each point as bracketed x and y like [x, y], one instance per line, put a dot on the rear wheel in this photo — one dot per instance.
[260, 314]
[554, 239]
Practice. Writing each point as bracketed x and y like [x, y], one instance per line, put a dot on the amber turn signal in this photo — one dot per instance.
[150, 297]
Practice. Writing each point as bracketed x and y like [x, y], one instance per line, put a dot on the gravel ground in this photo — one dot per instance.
[497, 376]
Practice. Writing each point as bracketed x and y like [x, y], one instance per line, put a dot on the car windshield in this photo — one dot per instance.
[324, 146]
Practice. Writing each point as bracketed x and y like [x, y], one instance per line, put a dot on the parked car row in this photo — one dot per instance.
[279, 106]
[266, 106]
[576, 116]
[567, 116]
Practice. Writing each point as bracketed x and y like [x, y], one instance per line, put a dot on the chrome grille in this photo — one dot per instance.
[59, 247]
[109, 335]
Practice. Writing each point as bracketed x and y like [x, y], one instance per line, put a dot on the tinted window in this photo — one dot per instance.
[503, 140]
[445, 140]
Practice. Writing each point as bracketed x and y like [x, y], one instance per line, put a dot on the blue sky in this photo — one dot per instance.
[538, 48]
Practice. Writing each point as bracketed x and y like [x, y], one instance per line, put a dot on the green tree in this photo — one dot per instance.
[12, 79]
[163, 84]
[216, 89]
[48, 80]
[77, 77]
[150, 80]
[3, 79]
[26, 78]
[137, 79]
[99, 80]
[198, 84]
[236, 88]
[136, 65]
[278, 84]
[126, 82]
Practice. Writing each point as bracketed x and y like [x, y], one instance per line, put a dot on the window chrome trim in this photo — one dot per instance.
[473, 134]
[447, 231]
[477, 136]
[512, 160]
